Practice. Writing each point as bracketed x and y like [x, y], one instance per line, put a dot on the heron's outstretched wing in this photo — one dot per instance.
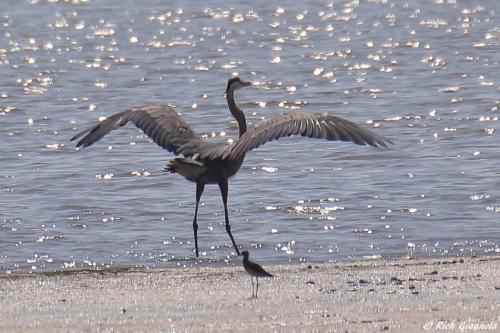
[313, 125]
[160, 122]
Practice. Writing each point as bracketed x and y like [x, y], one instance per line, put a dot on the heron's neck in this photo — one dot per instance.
[236, 112]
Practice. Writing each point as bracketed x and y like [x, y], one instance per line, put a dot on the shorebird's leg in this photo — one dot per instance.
[223, 190]
[252, 287]
[257, 289]
[199, 191]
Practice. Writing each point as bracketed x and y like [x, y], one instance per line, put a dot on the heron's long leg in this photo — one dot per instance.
[257, 290]
[223, 189]
[199, 191]
[252, 286]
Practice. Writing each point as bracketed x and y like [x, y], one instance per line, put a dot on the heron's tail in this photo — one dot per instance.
[187, 167]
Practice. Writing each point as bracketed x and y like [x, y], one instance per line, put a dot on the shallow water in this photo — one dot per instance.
[425, 75]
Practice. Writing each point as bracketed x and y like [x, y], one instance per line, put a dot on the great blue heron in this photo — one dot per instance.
[254, 269]
[214, 163]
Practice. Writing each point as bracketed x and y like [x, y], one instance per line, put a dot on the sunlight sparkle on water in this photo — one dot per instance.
[423, 76]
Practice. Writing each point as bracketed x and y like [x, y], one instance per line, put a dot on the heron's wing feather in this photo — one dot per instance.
[313, 125]
[160, 122]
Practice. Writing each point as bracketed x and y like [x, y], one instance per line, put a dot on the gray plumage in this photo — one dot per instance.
[255, 270]
[205, 162]
[160, 122]
[312, 125]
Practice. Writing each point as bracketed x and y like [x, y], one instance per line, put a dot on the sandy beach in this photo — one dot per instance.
[453, 295]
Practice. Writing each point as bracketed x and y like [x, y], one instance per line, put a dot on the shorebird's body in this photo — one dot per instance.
[206, 162]
[255, 270]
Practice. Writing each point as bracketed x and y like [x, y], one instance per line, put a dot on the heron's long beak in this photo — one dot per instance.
[246, 83]
[240, 85]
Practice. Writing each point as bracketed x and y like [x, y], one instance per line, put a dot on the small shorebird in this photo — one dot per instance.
[254, 269]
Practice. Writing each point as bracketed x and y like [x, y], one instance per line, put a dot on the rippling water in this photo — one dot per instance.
[425, 75]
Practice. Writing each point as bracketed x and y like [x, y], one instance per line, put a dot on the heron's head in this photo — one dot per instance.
[236, 83]
[245, 254]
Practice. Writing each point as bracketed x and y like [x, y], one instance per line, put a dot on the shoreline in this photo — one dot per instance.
[452, 294]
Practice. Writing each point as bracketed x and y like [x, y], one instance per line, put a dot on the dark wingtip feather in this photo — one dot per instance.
[76, 136]
[383, 141]
[83, 142]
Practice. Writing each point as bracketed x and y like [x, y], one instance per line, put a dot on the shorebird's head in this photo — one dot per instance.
[236, 83]
[245, 254]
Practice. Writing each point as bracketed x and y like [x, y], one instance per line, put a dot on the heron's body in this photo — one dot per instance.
[214, 163]
[205, 171]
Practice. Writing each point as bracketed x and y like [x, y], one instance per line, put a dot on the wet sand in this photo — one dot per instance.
[452, 295]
